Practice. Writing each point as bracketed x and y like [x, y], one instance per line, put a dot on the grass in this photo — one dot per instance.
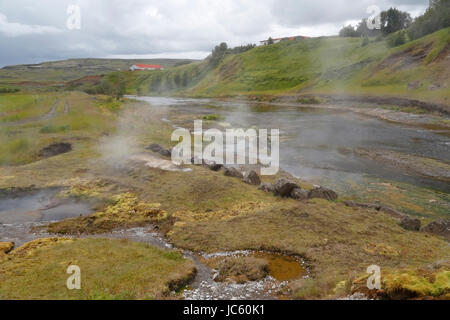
[207, 211]
[126, 210]
[86, 120]
[334, 239]
[325, 65]
[110, 269]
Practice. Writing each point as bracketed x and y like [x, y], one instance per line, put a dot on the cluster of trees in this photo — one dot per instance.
[219, 52]
[391, 21]
[399, 26]
[9, 90]
[435, 18]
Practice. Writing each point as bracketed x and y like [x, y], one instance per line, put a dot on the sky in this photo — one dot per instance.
[35, 31]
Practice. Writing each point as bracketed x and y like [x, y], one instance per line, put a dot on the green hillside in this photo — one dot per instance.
[327, 65]
[72, 69]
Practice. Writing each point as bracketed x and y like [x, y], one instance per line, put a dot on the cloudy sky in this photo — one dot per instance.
[34, 31]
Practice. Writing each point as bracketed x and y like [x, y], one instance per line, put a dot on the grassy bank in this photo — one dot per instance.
[325, 65]
[110, 269]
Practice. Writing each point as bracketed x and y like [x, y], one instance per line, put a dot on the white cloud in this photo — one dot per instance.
[15, 29]
[175, 28]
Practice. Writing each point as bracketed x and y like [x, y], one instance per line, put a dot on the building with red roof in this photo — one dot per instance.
[140, 66]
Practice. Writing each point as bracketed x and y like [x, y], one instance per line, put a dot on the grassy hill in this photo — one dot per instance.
[327, 65]
[72, 69]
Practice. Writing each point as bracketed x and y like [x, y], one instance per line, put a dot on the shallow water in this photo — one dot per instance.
[39, 207]
[312, 139]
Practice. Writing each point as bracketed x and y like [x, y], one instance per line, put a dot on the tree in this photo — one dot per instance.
[270, 40]
[348, 31]
[394, 20]
[114, 85]
[218, 53]
[435, 18]
[363, 31]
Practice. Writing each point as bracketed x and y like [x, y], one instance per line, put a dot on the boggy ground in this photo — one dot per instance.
[205, 211]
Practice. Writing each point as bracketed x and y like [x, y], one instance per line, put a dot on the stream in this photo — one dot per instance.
[312, 139]
[19, 214]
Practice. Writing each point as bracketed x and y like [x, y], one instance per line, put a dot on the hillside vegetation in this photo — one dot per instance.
[67, 70]
[327, 65]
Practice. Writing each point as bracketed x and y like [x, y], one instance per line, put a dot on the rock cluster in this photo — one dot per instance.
[252, 178]
[439, 227]
[159, 149]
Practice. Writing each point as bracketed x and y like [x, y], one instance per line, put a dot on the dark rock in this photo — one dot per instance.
[322, 193]
[266, 187]
[299, 194]
[252, 178]
[233, 172]
[213, 166]
[409, 223]
[439, 227]
[55, 149]
[159, 149]
[284, 187]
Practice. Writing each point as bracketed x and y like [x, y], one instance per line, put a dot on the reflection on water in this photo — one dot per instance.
[312, 139]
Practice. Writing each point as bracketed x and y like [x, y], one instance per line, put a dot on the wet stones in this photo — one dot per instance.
[440, 227]
[233, 172]
[284, 187]
[322, 193]
[252, 178]
[159, 149]
[55, 149]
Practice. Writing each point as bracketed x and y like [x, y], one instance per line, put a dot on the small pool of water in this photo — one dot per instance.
[282, 267]
[39, 207]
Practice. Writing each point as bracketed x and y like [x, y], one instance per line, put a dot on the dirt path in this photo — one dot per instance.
[50, 114]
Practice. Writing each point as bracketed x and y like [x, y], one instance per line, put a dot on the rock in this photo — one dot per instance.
[434, 86]
[252, 178]
[414, 85]
[409, 223]
[233, 172]
[266, 187]
[55, 149]
[322, 193]
[299, 194]
[284, 187]
[159, 149]
[213, 166]
[440, 227]
[6, 247]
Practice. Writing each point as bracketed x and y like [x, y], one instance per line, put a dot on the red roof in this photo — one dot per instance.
[148, 66]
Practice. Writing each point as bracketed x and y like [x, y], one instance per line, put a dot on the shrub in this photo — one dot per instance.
[54, 129]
